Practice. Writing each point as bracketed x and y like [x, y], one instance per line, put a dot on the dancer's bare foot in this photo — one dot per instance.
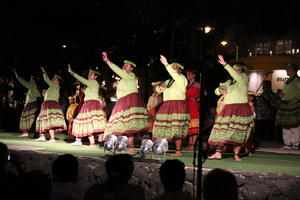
[51, 140]
[91, 146]
[236, 157]
[215, 156]
[130, 150]
[23, 135]
[41, 138]
[76, 143]
[190, 147]
[177, 153]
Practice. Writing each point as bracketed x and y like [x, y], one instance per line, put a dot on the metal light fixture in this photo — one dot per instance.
[110, 143]
[122, 143]
[161, 146]
[146, 147]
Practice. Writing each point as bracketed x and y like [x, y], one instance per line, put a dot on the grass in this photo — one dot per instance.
[259, 162]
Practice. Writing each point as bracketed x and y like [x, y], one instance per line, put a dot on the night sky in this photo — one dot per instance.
[32, 33]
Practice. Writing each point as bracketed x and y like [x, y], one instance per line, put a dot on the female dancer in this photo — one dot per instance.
[31, 104]
[51, 117]
[91, 118]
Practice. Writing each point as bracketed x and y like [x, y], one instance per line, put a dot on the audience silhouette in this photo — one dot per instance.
[172, 176]
[220, 184]
[64, 178]
[35, 185]
[8, 179]
[119, 169]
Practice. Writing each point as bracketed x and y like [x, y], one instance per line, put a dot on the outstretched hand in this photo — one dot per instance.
[163, 60]
[104, 56]
[43, 69]
[70, 68]
[16, 74]
[221, 60]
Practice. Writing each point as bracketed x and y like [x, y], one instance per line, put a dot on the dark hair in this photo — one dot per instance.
[267, 83]
[119, 167]
[3, 154]
[293, 66]
[65, 168]
[172, 175]
[220, 184]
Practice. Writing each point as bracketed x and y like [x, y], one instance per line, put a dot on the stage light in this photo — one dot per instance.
[161, 146]
[113, 99]
[122, 143]
[110, 143]
[146, 147]
[64, 46]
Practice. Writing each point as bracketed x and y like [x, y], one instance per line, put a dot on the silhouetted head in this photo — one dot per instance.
[119, 168]
[3, 155]
[266, 85]
[35, 185]
[220, 184]
[172, 175]
[65, 169]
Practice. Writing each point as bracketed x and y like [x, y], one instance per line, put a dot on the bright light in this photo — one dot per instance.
[207, 29]
[224, 43]
[64, 46]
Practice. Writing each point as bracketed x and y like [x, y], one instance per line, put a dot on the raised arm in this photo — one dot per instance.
[21, 80]
[46, 77]
[116, 69]
[233, 73]
[78, 77]
[176, 76]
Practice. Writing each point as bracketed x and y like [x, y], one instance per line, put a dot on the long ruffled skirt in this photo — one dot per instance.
[172, 120]
[50, 117]
[91, 119]
[233, 125]
[128, 117]
[28, 116]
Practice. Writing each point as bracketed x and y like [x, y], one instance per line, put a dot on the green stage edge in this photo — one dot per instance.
[264, 162]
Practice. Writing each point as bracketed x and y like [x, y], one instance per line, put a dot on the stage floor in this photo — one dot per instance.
[267, 159]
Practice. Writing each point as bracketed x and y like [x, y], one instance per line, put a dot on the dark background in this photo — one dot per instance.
[32, 33]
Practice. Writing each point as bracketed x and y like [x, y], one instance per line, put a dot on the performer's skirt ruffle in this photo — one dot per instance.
[288, 115]
[151, 118]
[91, 119]
[128, 117]
[28, 116]
[233, 125]
[172, 120]
[50, 117]
[193, 127]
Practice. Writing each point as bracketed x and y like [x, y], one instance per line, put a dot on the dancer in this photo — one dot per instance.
[129, 115]
[91, 118]
[232, 125]
[192, 99]
[31, 104]
[172, 119]
[72, 112]
[288, 114]
[153, 105]
[51, 117]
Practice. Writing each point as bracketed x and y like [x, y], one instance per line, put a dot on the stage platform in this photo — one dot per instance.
[270, 172]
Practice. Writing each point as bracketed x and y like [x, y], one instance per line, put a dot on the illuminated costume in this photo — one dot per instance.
[51, 115]
[91, 117]
[172, 119]
[129, 115]
[31, 105]
[232, 123]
